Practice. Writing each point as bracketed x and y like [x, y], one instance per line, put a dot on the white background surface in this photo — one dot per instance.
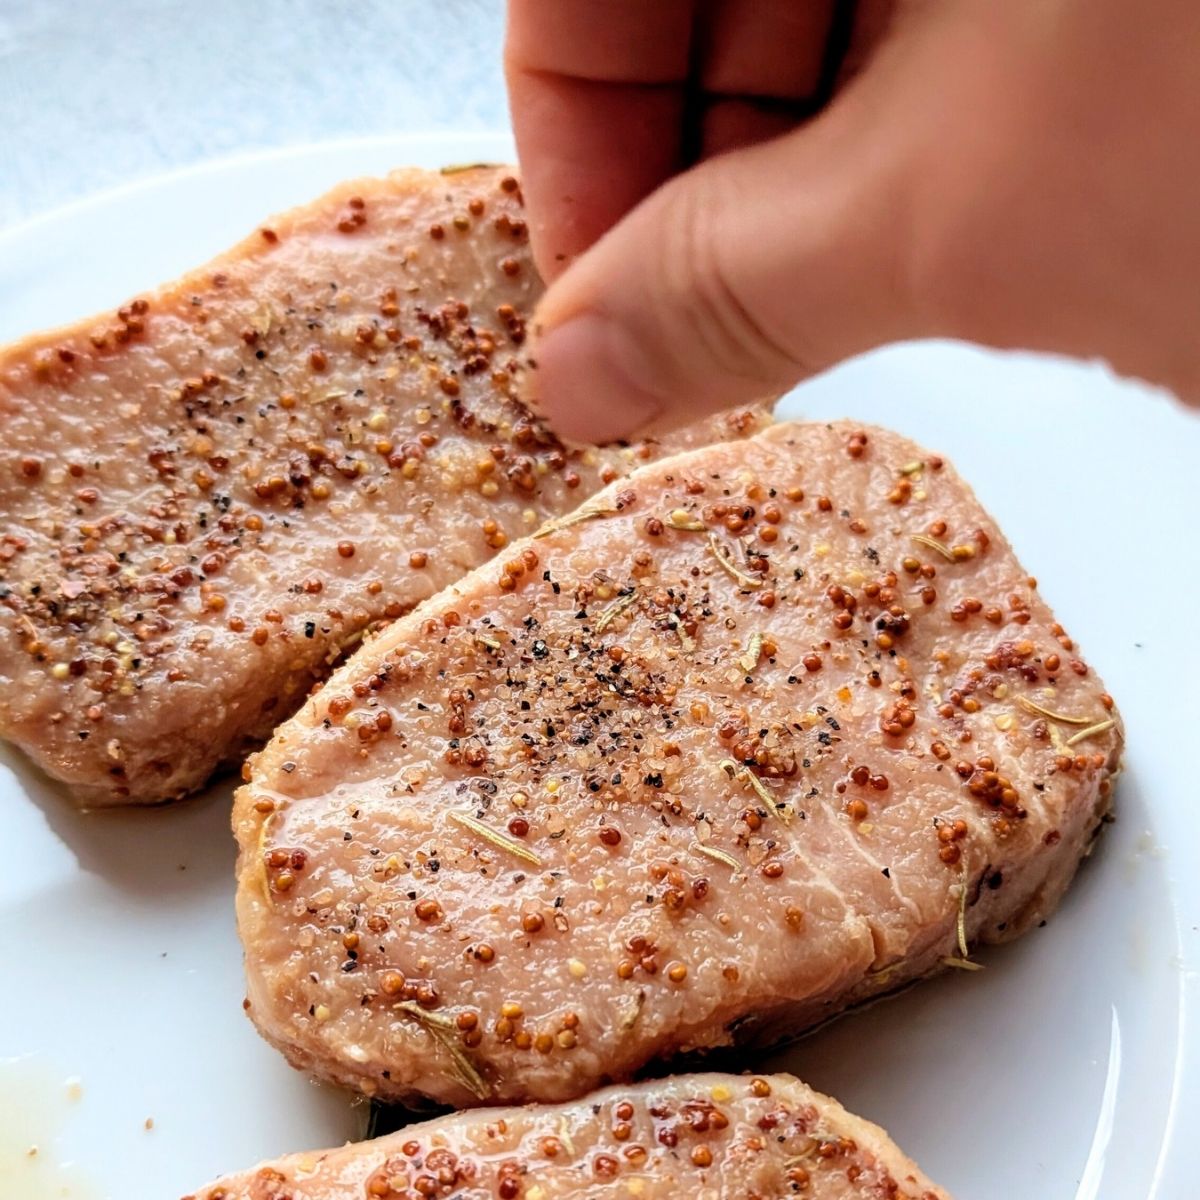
[95, 94]
[1068, 1068]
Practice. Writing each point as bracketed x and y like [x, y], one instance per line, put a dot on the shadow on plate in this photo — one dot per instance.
[185, 847]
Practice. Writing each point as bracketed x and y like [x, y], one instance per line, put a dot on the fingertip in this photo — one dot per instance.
[579, 378]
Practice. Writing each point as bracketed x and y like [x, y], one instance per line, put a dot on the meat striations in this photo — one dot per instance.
[720, 1137]
[208, 495]
[760, 732]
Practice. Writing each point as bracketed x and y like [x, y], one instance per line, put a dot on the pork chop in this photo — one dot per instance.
[714, 1136]
[762, 731]
[208, 495]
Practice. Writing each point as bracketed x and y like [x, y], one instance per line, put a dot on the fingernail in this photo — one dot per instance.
[584, 382]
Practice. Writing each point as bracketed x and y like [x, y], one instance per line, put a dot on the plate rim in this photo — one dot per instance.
[1174, 827]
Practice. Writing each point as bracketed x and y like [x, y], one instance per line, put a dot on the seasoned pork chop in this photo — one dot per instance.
[759, 732]
[208, 495]
[720, 1137]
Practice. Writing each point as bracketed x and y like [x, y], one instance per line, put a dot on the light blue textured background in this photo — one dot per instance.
[97, 93]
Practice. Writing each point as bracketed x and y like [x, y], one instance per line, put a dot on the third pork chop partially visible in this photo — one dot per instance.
[717, 1137]
[208, 495]
[767, 729]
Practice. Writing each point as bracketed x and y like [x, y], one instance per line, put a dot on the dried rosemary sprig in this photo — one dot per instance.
[956, 553]
[745, 775]
[923, 539]
[1091, 731]
[264, 879]
[458, 168]
[499, 840]
[1041, 710]
[963, 964]
[749, 660]
[963, 960]
[727, 564]
[884, 973]
[718, 855]
[614, 610]
[573, 518]
[443, 1030]
[961, 923]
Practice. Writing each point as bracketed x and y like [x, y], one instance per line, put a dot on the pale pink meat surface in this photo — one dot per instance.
[735, 746]
[210, 493]
[714, 1137]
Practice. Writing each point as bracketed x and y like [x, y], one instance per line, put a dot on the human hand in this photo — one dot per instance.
[1022, 174]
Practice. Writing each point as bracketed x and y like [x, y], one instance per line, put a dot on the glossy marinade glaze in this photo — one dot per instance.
[208, 495]
[715, 1137]
[765, 730]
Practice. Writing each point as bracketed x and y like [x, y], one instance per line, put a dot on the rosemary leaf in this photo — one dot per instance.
[1091, 731]
[614, 610]
[264, 880]
[745, 776]
[443, 1030]
[749, 582]
[941, 548]
[717, 855]
[574, 518]
[1041, 710]
[499, 840]
[458, 168]
[749, 660]
[961, 924]
[963, 964]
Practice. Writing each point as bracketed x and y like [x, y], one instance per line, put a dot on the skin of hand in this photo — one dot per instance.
[720, 216]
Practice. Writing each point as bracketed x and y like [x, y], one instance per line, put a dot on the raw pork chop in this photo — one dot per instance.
[760, 732]
[711, 1136]
[208, 495]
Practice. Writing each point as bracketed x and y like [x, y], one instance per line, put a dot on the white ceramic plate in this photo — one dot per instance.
[1069, 1068]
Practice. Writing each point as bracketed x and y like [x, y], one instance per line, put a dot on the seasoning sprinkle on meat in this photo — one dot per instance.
[210, 495]
[725, 1137]
[866, 804]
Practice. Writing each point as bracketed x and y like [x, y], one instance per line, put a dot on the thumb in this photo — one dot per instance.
[725, 287]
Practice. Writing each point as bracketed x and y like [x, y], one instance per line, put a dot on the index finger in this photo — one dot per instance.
[597, 95]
